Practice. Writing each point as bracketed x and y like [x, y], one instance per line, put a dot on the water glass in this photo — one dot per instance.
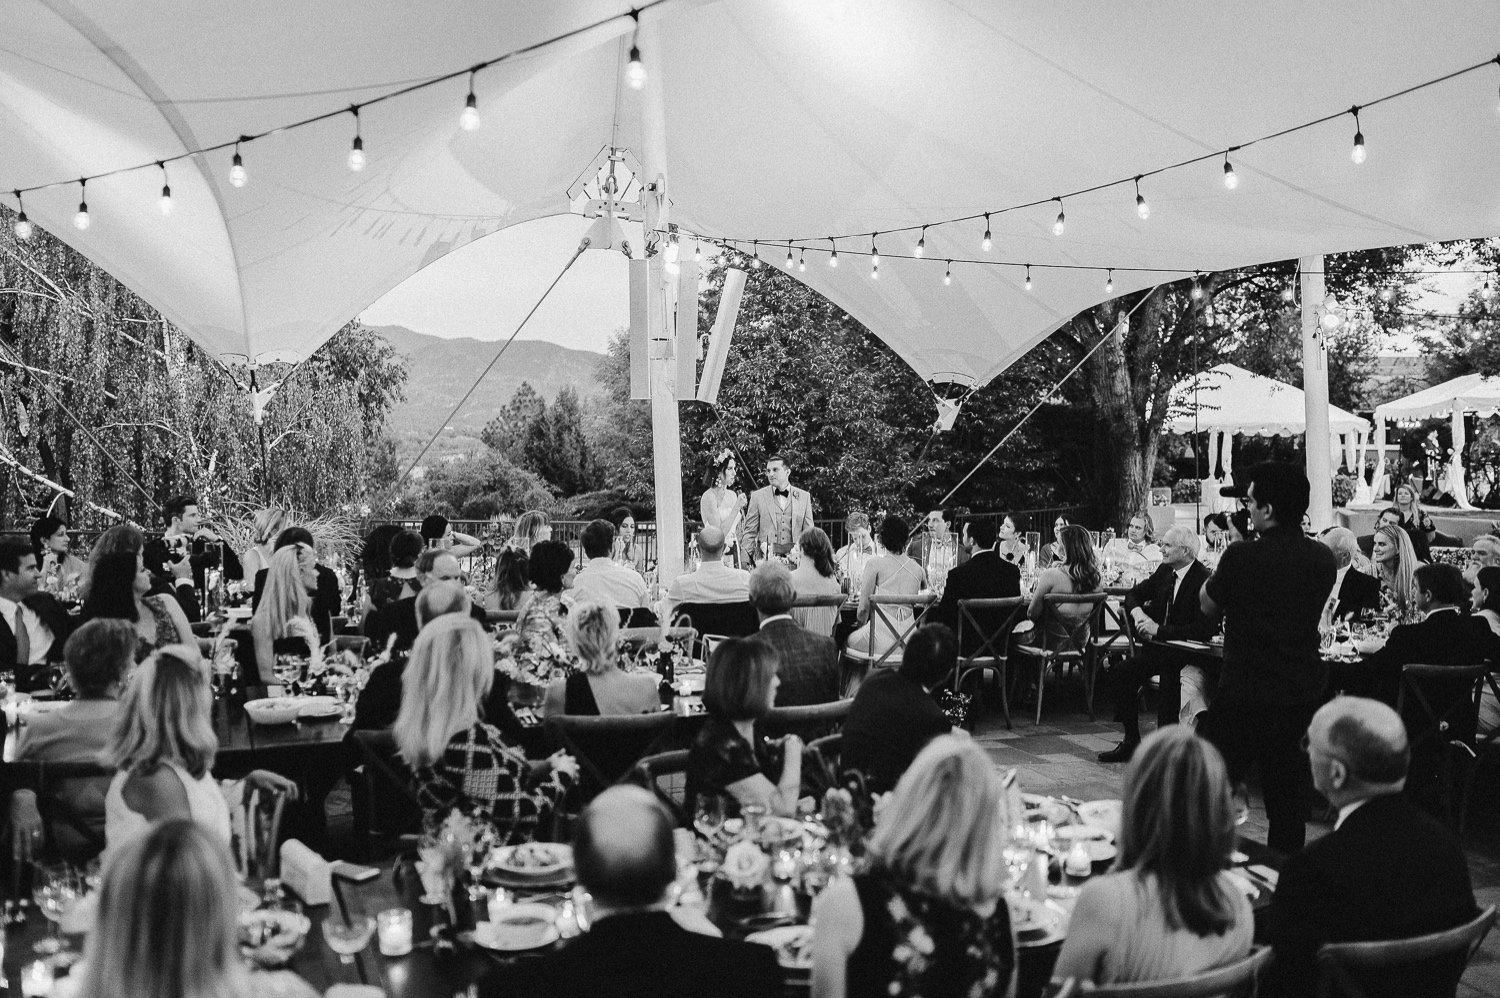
[348, 938]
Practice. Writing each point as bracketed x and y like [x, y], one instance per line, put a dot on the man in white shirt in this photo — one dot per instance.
[33, 625]
[601, 578]
[713, 582]
[1134, 552]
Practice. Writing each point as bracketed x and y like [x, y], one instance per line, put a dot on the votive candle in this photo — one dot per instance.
[36, 979]
[394, 928]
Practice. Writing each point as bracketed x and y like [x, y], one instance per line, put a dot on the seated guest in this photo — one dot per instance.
[1167, 908]
[1446, 635]
[1076, 573]
[511, 589]
[437, 532]
[929, 916]
[727, 757]
[1386, 871]
[1011, 546]
[984, 576]
[1053, 552]
[1163, 607]
[600, 687]
[552, 574]
[168, 924]
[282, 624]
[893, 715]
[1487, 551]
[603, 579]
[98, 656]
[327, 600]
[894, 573]
[1395, 563]
[61, 569]
[1414, 519]
[162, 749]
[1487, 608]
[816, 575]
[713, 582]
[1216, 531]
[120, 589]
[531, 527]
[256, 557]
[1134, 552]
[852, 557]
[636, 948]
[399, 617]
[1354, 592]
[459, 760]
[400, 579]
[808, 663]
[380, 700]
[36, 624]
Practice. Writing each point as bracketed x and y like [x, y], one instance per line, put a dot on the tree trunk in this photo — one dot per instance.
[1114, 399]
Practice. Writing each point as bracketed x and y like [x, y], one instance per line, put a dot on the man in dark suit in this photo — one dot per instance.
[33, 625]
[400, 617]
[186, 544]
[636, 948]
[1446, 636]
[985, 575]
[893, 716]
[1164, 607]
[327, 600]
[1354, 591]
[1386, 871]
[809, 669]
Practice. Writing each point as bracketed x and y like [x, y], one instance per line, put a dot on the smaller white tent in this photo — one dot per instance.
[1226, 399]
[1468, 393]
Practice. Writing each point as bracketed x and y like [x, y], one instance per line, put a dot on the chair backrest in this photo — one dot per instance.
[257, 827]
[357, 643]
[887, 618]
[1113, 630]
[607, 747]
[1065, 633]
[819, 613]
[1440, 703]
[672, 766]
[637, 616]
[75, 831]
[494, 617]
[730, 620]
[808, 722]
[1342, 965]
[1237, 978]
[389, 792]
[826, 599]
[989, 622]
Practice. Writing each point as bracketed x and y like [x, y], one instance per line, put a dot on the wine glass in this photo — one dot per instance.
[347, 938]
[55, 889]
[710, 815]
[223, 663]
[288, 669]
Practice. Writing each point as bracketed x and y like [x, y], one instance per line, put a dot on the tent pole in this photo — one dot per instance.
[1315, 394]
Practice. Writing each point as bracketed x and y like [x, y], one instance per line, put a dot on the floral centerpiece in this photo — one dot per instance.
[664, 657]
[531, 660]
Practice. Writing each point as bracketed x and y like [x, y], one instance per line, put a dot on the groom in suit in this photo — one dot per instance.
[777, 514]
[33, 625]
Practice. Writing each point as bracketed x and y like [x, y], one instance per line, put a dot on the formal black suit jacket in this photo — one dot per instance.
[1357, 593]
[327, 601]
[1184, 616]
[984, 576]
[1446, 637]
[399, 617]
[645, 955]
[56, 619]
[1388, 872]
[809, 668]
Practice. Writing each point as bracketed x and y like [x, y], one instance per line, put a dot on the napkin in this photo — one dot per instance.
[307, 873]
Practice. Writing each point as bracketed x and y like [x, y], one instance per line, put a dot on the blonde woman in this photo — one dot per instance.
[1168, 908]
[268, 523]
[531, 526]
[593, 631]
[168, 925]
[929, 916]
[283, 624]
[162, 750]
[1395, 561]
[460, 761]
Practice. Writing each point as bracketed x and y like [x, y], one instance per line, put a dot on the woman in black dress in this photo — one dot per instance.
[600, 686]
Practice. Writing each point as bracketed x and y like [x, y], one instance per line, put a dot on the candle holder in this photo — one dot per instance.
[394, 927]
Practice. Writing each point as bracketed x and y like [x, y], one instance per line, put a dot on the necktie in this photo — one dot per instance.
[23, 639]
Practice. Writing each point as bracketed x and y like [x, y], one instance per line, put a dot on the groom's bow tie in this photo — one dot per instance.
[782, 492]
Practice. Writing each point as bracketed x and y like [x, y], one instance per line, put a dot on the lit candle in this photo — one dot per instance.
[499, 900]
[36, 979]
[394, 928]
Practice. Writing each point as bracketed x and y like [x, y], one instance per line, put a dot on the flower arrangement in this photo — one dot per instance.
[673, 649]
[533, 659]
[745, 865]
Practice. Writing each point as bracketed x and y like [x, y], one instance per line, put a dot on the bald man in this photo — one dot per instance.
[1386, 871]
[623, 851]
[1354, 592]
[715, 581]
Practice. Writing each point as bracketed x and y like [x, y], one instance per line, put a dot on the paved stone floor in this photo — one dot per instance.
[1058, 757]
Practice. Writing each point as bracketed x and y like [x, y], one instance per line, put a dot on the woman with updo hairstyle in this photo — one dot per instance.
[721, 506]
[893, 573]
[60, 568]
[268, 523]
[600, 686]
[546, 613]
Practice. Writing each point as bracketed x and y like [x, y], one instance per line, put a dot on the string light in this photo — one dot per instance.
[1289, 294]
[635, 72]
[986, 242]
[1385, 294]
[1109, 282]
[81, 220]
[165, 204]
[672, 248]
[697, 252]
[356, 151]
[1057, 226]
[1197, 285]
[874, 259]
[1358, 152]
[1141, 207]
[1028, 277]
[237, 175]
[802, 259]
[1230, 180]
[948, 274]
[833, 258]
[23, 227]
[788, 256]
[921, 242]
[755, 255]
[469, 119]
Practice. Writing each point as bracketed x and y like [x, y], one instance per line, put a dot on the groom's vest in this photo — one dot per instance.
[782, 532]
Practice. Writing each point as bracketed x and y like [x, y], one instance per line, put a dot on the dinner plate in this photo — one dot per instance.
[1104, 813]
[790, 943]
[319, 706]
[521, 927]
[776, 829]
[1056, 812]
[1036, 923]
[1069, 834]
[533, 859]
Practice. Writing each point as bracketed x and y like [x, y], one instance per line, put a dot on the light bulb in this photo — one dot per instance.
[986, 242]
[357, 155]
[1141, 207]
[1288, 294]
[1358, 152]
[922, 242]
[24, 227]
[875, 271]
[81, 220]
[237, 175]
[755, 258]
[469, 119]
[697, 252]
[1057, 226]
[948, 274]
[165, 204]
[1197, 288]
[1385, 294]
[788, 257]
[636, 71]
[1109, 282]
[672, 250]
[874, 255]
[833, 257]
[1230, 180]
[1332, 320]
[802, 260]
[1028, 277]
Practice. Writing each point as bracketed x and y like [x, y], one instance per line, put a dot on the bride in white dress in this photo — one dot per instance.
[722, 506]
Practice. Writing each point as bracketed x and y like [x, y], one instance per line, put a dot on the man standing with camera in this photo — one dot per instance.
[182, 556]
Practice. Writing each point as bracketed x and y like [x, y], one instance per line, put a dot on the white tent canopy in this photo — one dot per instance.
[1468, 393]
[1226, 400]
[771, 119]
